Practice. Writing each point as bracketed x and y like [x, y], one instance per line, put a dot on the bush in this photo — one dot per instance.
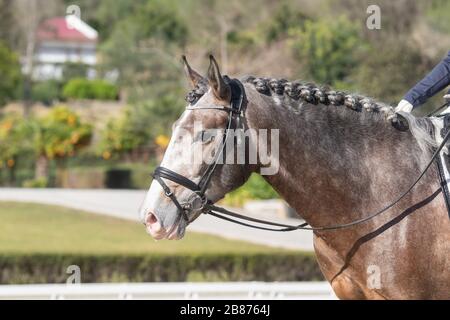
[24, 175]
[15, 139]
[46, 91]
[327, 48]
[256, 188]
[138, 126]
[61, 133]
[406, 65]
[285, 18]
[80, 88]
[48, 268]
[36, 183]
[73, 70]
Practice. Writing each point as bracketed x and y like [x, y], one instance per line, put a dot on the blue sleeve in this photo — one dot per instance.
[433, 82]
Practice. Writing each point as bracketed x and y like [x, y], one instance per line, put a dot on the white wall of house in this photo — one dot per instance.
[54, 52]
[50, 58]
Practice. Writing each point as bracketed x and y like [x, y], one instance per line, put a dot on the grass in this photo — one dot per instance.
[28, 228]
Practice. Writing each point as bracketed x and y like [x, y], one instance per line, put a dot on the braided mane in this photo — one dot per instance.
[306, 91]
[289, 91]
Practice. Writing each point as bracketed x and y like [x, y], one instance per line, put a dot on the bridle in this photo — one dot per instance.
[236, 118]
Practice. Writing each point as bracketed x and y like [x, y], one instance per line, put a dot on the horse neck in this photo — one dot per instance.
[336, 165]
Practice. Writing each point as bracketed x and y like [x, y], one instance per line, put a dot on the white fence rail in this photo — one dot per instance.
[189, 290]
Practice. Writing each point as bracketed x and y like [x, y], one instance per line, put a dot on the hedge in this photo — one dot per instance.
[48, 268]
[79, 88]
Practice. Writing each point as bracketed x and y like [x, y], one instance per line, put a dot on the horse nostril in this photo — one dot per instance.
[154, 227]
[151, 219]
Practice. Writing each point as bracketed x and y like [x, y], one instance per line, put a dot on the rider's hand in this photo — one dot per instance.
[404, 106]
[447, 97]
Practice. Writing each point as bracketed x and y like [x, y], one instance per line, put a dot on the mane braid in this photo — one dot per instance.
[306, 91]
[314, 94]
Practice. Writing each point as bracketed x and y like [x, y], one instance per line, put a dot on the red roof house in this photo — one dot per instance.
[61, 40]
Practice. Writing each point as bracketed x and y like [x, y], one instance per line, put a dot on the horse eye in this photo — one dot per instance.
[205, 136]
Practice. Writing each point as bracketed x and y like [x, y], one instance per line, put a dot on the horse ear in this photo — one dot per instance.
[220, 89]
[193, 76]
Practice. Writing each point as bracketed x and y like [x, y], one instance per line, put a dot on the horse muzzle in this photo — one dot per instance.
[158, 231]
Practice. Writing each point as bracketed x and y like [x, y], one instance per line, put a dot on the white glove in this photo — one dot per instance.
[404, 106]
[447, 97]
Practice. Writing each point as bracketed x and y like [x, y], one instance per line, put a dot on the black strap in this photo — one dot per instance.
[175, 177]
[238, 97]
[238, 105]
[160, 173]
[444, 187]
[432, 113]
[212, 210]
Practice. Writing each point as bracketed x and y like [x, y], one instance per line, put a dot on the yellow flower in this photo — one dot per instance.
[7, 125]
[75, 138]
[71, 120]
[106, 155]
[162, 141]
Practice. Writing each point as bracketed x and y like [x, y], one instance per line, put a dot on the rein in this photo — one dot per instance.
[236, 113]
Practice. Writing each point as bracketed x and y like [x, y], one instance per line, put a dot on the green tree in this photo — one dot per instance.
[326, 49]
[388, 76]
[150, 42]
[437, 15]
[9, 74]
[102, 15]
[28, 15]
[120, 137]
[7, 34]
[284, 19]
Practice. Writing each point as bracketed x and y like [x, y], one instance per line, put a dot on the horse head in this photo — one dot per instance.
[191, 173]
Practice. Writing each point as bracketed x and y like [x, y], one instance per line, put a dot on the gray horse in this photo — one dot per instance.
[340, 159]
